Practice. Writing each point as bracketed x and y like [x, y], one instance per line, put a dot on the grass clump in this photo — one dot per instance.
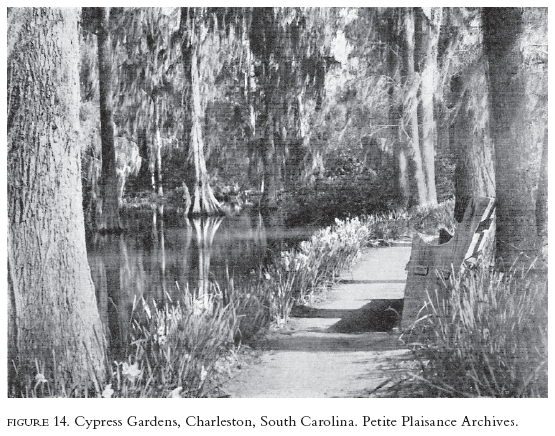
[186, 349]
[488, 339]
[251, 301]
[176, 348]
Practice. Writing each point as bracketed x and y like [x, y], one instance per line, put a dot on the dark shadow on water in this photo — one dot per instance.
[376, 316]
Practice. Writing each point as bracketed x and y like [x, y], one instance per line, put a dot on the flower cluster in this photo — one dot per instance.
[292, 260]
[297, 274]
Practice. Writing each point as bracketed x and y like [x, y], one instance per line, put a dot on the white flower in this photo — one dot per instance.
[131, 372]
[175, 393]
[161, 330]
[160, 335]
[203, 374]
[197, 308]
[39, 378]
[108, 391]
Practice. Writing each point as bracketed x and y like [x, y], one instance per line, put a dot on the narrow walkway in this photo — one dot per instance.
[342, 347]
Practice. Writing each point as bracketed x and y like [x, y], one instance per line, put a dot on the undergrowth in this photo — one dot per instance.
[488, 339]
[184, 348]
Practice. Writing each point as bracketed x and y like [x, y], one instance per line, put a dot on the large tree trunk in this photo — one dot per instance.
[411, 104]
[430, 36]
[395, 114]
[158, 148]
[109, 219]
[250, 86]
[52, 310]
[474, 172]
[518, 99]
[541, 202]
[204, 202]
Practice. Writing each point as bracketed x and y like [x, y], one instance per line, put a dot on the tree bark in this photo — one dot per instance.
[430, 36]
[52, 311]
[411, 104]
[395, 114]
[204, 202]
[518, 101]
[541, 201]
[474, 172]
[109, 219]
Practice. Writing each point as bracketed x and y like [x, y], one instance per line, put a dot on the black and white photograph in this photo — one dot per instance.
[267, 202]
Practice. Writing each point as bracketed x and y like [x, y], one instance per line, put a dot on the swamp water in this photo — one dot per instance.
[160, 256]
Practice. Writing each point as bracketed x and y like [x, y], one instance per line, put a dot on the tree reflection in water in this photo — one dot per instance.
[160, 256]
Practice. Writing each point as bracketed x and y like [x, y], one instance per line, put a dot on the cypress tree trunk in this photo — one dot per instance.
[518, 100]
[541, 201]
[110, 246]
[204, 202]
[110, 200]
[264, 39]
[395, 114]
[411, 108]
[430, 36]
[158, 149]
[52, 311]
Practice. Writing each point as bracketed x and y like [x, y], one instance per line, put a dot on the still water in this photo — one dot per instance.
[159, 256]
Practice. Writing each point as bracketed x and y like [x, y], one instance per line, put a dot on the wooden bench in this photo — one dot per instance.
[431, 264]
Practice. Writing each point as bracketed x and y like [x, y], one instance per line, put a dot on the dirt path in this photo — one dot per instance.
[342, 347]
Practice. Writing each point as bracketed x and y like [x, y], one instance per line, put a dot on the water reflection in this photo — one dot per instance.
[205, 230]
[160, 256]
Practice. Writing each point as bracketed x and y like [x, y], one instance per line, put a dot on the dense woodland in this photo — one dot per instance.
[322, 112]
[359, 110]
